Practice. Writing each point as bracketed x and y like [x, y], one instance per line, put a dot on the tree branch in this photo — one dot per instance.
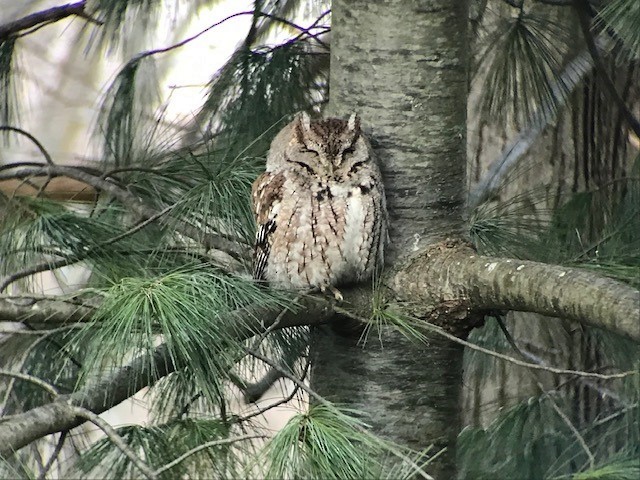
[448, 274]
[64, 262]
[43, 310]
[50, 15]
[209, 240]
[459, 279]
[116, 439]
[22, 429]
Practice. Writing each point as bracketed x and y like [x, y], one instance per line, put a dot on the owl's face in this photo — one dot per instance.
[329, 150]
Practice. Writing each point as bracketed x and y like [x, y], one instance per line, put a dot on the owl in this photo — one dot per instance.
[320, 207]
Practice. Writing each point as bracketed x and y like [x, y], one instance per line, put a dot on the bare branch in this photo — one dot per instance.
[45, 154]
[449, 273]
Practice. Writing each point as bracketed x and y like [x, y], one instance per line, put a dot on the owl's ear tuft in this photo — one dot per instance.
[353, 123]
[305, 120]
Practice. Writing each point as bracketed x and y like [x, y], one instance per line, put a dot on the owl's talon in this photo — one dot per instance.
[336, 293]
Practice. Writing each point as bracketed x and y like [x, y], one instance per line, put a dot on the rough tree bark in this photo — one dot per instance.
[402, 65]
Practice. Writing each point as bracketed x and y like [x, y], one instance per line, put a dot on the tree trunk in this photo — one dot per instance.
[402, 65]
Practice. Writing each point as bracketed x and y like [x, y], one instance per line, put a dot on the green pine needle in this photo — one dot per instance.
[524, 55]
[160, 444]
[185, 309]
[322, 443]
[623, 17]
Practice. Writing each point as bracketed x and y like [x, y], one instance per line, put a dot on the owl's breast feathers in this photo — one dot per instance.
[312, 234]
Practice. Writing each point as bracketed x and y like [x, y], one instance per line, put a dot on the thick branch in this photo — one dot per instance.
[42, 310]
[446, 274]
[455, 276]
[22, 429]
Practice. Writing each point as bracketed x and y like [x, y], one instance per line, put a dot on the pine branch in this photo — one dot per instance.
[583, 10]
[44, 17]
[43, 310]
[451, 276]
[210, 241]
[50, 266]
[22, 429]
[116, 439]
[193, 451]
[568, 80]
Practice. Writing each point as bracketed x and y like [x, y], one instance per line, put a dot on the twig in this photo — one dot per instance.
[65, 262]
[212, 443]
[532, 366]
[43, 150]
[282, 401]
[288, 375]
[115, 438]
[554, 405]
[313, 25]
[210, 241]
[210, 27]
[54, 456]
[574, 430]
[31, 379]
[515, 361]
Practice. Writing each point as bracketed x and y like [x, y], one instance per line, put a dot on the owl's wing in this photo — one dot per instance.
[266, 195]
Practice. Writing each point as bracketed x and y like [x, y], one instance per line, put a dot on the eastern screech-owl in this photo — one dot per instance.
[320, 207]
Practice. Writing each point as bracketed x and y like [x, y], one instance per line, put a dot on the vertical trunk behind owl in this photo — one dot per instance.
[402, 65]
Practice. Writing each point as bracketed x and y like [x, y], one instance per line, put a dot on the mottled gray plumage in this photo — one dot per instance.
[319, 206]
